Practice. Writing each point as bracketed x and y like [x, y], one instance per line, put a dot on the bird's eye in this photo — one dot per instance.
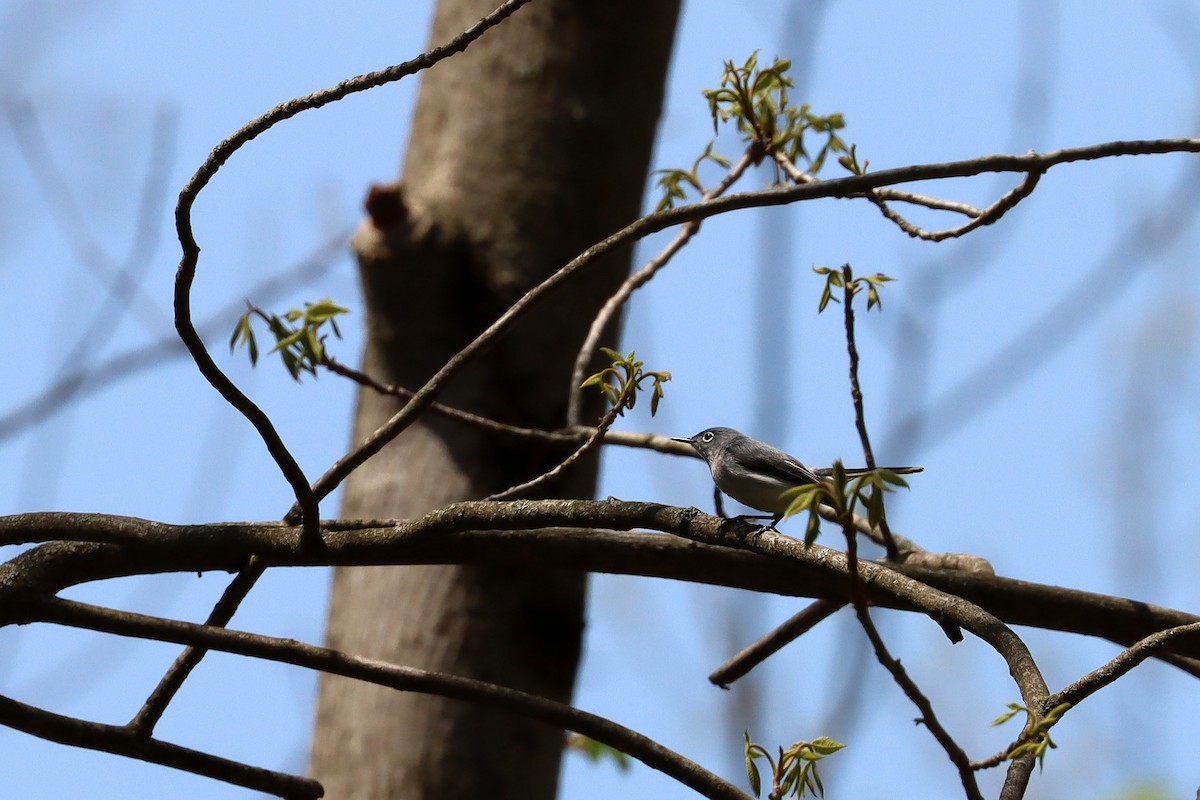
[707, 436]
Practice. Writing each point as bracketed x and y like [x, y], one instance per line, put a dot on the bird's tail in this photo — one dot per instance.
[825, 472]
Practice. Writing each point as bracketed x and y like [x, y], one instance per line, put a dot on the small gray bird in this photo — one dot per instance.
[755, 473]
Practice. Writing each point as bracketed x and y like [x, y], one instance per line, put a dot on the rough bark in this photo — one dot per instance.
[524, 150]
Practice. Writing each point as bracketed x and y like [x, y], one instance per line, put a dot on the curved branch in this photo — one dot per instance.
[636, 281]
[1102, 676]
[980, 218]
[306, 499]
[409, 679]
[124, 741]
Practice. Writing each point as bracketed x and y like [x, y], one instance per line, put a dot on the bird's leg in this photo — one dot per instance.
[747, 518]
[718, 503]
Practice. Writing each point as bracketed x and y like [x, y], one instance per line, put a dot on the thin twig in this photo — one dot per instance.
[929, 718]
[1094, 681]
[935, 203]
[589, 444]
[634, 282]
[882, 194]
[880, 198]
[306, 499]
[849, 289]
[172, 681]
[979, 219]
[121, 740]
[762, 649]
[566, 436]
[1102, 676]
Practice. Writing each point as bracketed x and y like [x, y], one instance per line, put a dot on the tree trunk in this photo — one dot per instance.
[525, 149]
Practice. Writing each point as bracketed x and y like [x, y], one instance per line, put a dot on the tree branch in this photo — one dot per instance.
[636, 281]
[124, 741]
[767, 646]
[570, 534]
[306, 499]
[849, 186]
[1102, 676]
[410, 679]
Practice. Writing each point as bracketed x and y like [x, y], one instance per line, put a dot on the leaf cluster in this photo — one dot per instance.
[842, 278]
[756, 99]
[1037, 740]
[844, 495]
[674, 182]
[621, 382]
[794, 771]
[297, 334]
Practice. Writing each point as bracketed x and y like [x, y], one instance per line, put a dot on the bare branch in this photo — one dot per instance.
[89, 547]
[758, 652]
[936, 203]
[1094, 681]
[172, 680]
[409, 679]
[980, 218]
[636, 281]
[306, 499]
[513, 533]
[124, 741]
[590, 443]
[928, 718]
[1100, 677]
[576, 435]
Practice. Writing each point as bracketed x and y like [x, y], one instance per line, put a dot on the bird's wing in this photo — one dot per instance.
[776, 464]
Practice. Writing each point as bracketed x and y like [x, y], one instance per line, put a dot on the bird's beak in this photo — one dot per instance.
[688, 442]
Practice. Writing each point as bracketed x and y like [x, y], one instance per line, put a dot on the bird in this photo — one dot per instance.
[756, 474]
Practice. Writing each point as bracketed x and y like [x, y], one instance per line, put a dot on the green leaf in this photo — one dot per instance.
[323, 310]
[817, 787]
[813, 529]
[751, 767]
[875, 512]
[888, 476]
[789, 780]
[1055, 714]
[754, 776]
[1013, 710]
[826, 746]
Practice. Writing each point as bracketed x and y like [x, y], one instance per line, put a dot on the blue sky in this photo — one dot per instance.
[1070, 464]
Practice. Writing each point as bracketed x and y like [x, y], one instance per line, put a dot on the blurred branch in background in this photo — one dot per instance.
[83, 381]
